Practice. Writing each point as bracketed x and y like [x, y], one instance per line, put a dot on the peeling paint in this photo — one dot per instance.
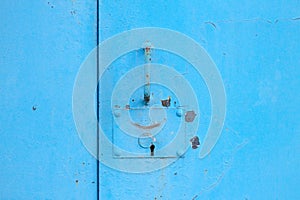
[195, 142]
[166, 102]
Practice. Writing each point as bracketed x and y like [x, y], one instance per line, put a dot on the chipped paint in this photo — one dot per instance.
[195, 142]
[190, 116]
[166, 102]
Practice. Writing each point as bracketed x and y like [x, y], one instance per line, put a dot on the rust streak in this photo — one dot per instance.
[146, 127]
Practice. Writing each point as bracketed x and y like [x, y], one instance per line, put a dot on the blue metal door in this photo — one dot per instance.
[43, 44]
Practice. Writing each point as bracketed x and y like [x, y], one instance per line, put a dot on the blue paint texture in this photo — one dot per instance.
[255, 46]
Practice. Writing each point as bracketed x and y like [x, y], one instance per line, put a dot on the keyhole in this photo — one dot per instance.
[152, 147]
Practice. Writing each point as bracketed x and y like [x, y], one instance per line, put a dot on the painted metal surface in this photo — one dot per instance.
[254, 46]
[43, 44]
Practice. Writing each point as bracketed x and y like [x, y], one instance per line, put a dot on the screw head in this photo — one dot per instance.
[179, 112]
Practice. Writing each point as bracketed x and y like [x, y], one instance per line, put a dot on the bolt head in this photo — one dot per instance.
[179, 112]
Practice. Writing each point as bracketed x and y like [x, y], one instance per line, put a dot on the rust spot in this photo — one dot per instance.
[34, 108]
[147, 49]
[146, 98]
[77, 181]
[146, 127]
[127, 107]
[190, 116]
[117, 106]
[195, 142]
[166, 103]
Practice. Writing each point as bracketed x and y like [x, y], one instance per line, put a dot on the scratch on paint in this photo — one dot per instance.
[270, 21]
[211, 23]
[228, 166]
